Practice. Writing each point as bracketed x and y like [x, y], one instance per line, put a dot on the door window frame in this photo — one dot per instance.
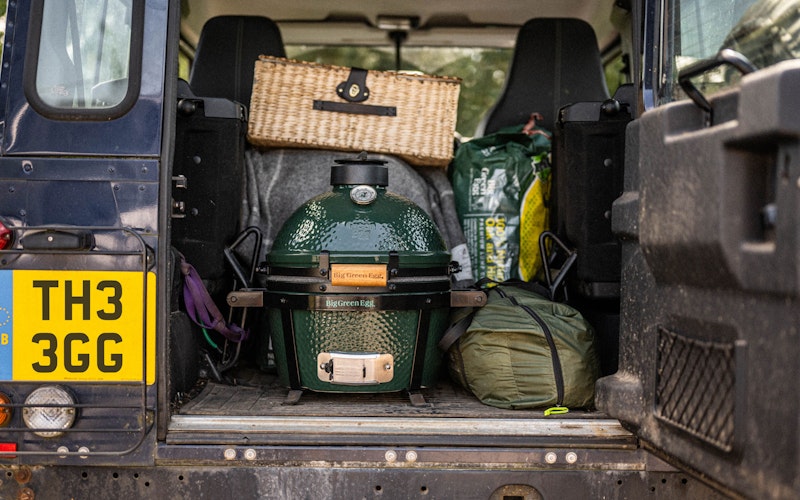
[83, 113]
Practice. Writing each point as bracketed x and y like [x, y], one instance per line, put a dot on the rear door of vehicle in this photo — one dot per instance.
[709, 342]
[81, 106]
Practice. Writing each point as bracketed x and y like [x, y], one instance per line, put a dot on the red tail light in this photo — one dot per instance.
[6, 236]
[6, 447]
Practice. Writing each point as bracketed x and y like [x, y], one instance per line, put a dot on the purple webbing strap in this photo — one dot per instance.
[201, 308]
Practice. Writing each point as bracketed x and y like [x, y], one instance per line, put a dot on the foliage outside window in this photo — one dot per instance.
[764, 31]
[3, 8]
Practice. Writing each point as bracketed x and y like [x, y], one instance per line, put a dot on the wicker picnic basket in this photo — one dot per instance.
[307, 105]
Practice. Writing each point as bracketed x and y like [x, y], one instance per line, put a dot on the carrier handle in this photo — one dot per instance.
[230, 256]
[553, 283]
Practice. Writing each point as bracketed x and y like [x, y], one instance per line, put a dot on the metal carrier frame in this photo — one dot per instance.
[310, 289]
[112, 404]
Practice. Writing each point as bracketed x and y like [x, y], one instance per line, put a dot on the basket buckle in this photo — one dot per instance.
[354, 89]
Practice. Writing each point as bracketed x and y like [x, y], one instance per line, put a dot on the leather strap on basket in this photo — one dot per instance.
[354, 90]
[201, 308]
[454, 332]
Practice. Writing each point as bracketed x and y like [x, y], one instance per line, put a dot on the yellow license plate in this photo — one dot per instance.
[77, 326]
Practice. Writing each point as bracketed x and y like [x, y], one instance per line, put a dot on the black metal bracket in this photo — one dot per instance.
[724, 56]
[555, 282]
[292, 397]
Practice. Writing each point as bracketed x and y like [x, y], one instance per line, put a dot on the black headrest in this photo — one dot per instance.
[556, 62]
[226, 54]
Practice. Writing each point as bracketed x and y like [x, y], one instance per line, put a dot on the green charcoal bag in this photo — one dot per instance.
[501, 188]
[523, 351]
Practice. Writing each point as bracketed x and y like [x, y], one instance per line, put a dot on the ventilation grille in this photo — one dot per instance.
[696, 386]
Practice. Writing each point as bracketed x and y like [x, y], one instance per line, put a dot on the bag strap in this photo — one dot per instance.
[201, 307]
[558, 373]
[455, 331]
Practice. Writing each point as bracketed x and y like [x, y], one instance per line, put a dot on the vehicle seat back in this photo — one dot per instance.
[556, 62]
[226, 54]
[210, 138]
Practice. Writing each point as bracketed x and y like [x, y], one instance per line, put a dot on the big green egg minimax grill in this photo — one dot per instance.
[358, 288]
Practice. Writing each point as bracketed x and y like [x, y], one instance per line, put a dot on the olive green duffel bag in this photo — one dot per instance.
[523, 351]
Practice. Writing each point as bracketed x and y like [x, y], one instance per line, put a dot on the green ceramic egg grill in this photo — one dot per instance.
[358, 288]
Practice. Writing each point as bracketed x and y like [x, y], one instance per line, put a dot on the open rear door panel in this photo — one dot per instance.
[709, 345]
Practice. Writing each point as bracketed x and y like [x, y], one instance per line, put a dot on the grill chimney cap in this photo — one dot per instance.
[360, 170]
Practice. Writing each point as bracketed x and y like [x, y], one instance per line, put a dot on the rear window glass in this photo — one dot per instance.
[764, 31]
[86, 50]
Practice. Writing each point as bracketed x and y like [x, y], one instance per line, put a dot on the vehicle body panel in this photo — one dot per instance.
[709, 315]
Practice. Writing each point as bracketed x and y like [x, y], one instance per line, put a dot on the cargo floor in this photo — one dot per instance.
[259, 394]
[253, 411]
